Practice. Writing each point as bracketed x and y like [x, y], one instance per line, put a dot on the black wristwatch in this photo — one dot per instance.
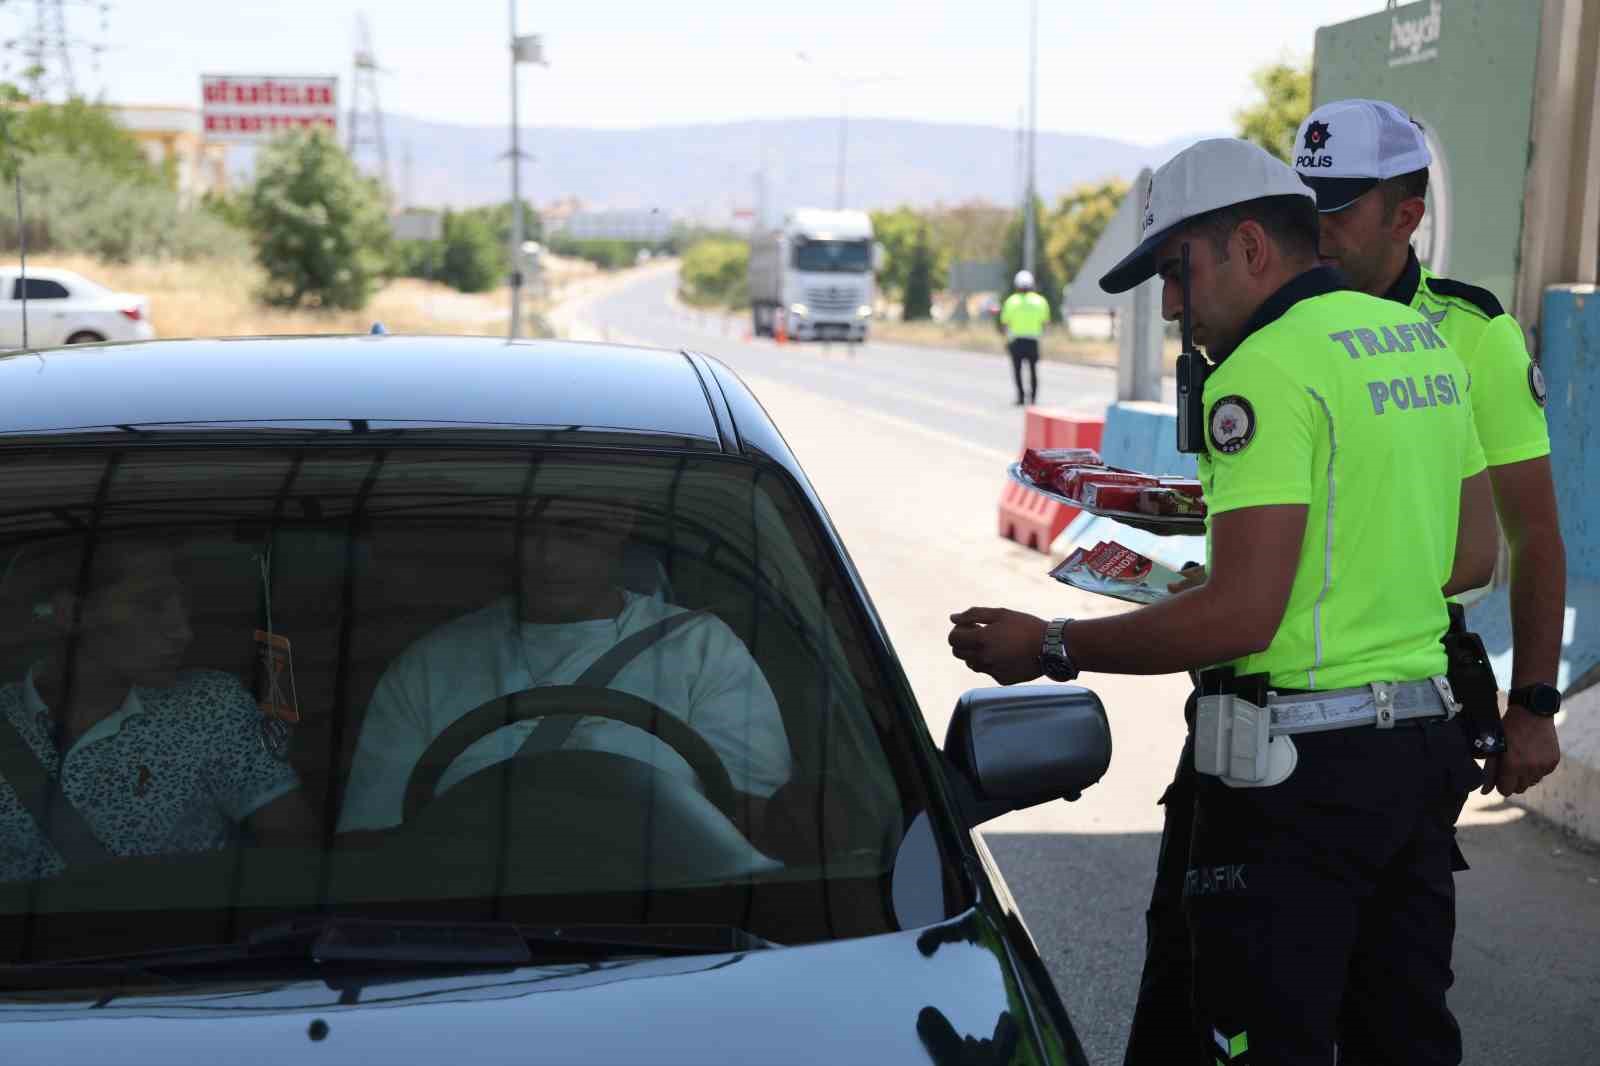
[1053, 658]
[1542, 700]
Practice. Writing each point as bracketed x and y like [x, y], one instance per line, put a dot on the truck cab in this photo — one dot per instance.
[813, 277]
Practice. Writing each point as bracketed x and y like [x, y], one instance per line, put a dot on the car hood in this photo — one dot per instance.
[861, 1000]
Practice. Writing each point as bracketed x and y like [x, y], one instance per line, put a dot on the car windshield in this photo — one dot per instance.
[833, 257]
[497, 683]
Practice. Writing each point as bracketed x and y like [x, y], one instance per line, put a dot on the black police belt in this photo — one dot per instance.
[1247, 743]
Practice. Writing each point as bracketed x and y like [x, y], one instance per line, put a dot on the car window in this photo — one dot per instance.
[741, 766]
[39, 289]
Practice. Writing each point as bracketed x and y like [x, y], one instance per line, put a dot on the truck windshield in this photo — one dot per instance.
[833, 257]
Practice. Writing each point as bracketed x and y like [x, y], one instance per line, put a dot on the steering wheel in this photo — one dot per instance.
[577, 701]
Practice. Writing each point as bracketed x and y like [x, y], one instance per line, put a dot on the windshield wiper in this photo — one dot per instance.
[336, 941]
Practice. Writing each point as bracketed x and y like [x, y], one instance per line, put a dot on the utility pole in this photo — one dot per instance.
[366, 113]
[1030, 236]
[846, 83]
[529, 49]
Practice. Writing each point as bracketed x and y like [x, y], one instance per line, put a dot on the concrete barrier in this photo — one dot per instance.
[1570, 357]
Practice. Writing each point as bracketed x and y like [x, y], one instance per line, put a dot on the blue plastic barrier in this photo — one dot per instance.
[1570, 356]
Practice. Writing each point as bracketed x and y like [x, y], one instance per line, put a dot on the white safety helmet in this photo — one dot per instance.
[1023, 280]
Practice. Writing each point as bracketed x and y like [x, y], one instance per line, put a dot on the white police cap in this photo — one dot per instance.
[1205, 176]
[1344, 148]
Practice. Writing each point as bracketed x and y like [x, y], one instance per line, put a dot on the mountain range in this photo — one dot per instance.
[706, 172]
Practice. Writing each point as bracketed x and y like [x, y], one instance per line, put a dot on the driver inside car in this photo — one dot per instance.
[567, 611]
[126, 753]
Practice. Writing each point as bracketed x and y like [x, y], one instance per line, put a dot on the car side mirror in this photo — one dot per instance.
[1023, 745]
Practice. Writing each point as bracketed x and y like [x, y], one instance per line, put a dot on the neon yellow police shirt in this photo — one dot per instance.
[1359, 409]
[1024, 314]
[1508, 391]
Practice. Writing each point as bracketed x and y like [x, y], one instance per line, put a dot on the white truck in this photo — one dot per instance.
[814, 276]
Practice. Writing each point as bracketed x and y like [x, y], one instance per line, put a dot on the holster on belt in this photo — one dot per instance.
[1473, 682]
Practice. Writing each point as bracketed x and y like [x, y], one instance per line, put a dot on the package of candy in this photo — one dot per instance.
[1098, 495]
[1110, 569]
[1043, 465]
[1075, 481]
[1171, 500]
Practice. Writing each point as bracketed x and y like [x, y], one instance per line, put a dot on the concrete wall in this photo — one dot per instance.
[1571, 362]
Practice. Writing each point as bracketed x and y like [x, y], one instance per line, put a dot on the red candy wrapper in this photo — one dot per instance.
[1099, 495]
[1042, 466]
[1171, 500]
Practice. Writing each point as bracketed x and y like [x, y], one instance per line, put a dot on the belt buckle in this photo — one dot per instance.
[1383, 701]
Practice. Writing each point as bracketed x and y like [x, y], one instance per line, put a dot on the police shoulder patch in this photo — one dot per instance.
[1536, 384]
[1232, 424]
[1474, 295]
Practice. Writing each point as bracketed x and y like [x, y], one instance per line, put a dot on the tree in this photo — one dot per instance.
[1071, 230]
[77, 129]
[713, 272]
[1045, 281]
[897, 231]
[1271, 121]
[472, 260]
[918, 301]
[321, 229]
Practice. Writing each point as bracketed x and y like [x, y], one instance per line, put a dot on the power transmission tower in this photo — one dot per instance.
[45, 46]
[365, 128]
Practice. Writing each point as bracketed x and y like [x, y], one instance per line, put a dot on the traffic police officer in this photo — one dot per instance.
[1370, 185]
[1023, 316]
[1367, 163]
[1319, 890]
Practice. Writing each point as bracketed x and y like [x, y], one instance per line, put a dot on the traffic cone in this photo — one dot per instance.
[780, 332]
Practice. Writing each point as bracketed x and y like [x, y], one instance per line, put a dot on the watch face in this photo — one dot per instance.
[1540, 699]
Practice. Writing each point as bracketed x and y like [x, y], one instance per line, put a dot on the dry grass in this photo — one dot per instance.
[218, 299]
[983, 337]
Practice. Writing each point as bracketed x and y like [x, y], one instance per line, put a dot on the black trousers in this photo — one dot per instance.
[1025, 350]
[1313, 914]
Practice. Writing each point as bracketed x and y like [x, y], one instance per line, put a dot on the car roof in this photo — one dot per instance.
[366, 383]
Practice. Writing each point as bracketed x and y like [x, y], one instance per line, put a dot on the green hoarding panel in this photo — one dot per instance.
[1465, 70]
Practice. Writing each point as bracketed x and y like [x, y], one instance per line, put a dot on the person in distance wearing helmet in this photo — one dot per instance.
[1023, 317]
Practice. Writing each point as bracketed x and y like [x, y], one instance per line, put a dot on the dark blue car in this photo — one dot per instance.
[408, 700]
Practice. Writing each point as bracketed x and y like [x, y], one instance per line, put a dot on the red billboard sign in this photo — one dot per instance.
[249, 108]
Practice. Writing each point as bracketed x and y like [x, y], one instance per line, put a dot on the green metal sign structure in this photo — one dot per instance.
[1465, 70]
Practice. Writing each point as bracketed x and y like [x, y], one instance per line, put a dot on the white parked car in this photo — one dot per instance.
[68, 308]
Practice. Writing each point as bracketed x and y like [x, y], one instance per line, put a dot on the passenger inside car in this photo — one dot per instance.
[569, 620]
[108, 747]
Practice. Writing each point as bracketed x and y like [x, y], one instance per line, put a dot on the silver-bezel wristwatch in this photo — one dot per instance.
[1053, 658]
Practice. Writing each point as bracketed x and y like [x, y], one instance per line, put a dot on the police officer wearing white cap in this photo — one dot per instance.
[1318, 890]
[1367, 161]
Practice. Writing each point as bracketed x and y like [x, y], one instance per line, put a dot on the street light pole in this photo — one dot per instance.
[844, 120]
[1030, 237]
[516, 190]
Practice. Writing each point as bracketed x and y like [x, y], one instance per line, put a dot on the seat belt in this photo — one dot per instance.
[58, 821]
[553, 730]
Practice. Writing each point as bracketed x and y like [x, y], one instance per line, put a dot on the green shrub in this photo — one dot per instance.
[713, 273]
[322, 233]
[81, 207]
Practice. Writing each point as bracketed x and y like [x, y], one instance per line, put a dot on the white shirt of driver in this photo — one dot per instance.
[700, 672]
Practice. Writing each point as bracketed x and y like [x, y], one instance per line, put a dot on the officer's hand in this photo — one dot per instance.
[1532, 751]
[1192, 577]
[1003, 644]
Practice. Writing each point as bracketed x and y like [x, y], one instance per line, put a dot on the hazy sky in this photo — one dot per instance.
[1137, 70]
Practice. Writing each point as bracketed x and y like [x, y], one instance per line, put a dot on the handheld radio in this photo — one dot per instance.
[1191, 375]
